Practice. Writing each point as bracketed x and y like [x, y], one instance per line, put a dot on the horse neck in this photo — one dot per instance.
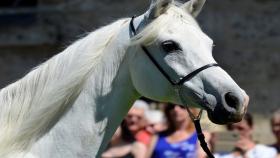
[114, 91]
[41, 104]
[105, 99]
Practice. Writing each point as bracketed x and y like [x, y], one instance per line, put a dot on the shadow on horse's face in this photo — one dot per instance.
[179, 49]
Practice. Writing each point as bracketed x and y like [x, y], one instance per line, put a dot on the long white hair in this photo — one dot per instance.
[32, 105]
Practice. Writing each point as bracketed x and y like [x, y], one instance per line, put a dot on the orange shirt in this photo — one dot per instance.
[144, 137]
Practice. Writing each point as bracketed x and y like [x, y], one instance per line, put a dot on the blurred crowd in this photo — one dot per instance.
[166, 131]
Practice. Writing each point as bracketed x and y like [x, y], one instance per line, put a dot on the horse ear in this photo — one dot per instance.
[157, 8]
[194, 7]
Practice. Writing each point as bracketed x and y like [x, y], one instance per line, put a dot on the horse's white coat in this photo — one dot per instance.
[71, 105]
[53, 112]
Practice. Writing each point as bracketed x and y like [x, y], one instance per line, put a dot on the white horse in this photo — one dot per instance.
[70, 106]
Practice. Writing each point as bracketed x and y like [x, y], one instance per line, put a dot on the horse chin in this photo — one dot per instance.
[222, 117]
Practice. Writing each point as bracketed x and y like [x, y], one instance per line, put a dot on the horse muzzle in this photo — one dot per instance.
[231, 110]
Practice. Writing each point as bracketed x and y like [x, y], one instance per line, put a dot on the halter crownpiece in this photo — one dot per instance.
[177, 85]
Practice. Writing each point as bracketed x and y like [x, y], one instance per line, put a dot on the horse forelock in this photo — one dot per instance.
[174, 15]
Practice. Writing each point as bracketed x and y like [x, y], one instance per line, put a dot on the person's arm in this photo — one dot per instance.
[117, 151]
[139, 150]
[151, 146]
[245, 144]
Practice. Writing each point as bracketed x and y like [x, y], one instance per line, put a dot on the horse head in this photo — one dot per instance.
[169, 45]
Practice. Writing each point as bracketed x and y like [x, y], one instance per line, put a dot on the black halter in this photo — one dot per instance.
[182, 80]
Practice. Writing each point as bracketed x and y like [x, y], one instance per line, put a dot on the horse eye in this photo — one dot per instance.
[170, 46]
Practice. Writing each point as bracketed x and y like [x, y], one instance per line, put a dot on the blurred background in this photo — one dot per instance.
[246, 35]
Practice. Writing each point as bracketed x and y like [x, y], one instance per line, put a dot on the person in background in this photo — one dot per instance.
[275, 127]
[136, 122]
[179, 139]
[123, 145]
[131, 138]
[156, 121]
[245, 147]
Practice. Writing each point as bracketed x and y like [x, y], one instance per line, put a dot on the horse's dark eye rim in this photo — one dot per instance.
[170, 46]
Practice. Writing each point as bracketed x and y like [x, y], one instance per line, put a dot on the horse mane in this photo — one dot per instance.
[33, 104]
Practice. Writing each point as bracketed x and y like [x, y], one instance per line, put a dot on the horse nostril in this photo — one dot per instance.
[232, 100]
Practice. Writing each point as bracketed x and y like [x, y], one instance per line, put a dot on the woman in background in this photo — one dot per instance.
[180, 138]
[156, 121]
[124, 145]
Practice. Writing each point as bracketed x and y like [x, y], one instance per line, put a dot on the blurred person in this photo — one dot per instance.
[275, 127]
[123, 145]
[179, 139]
[136, 121]
[156, 121]
[246, 147]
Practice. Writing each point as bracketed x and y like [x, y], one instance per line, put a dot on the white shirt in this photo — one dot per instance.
[259, 151]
